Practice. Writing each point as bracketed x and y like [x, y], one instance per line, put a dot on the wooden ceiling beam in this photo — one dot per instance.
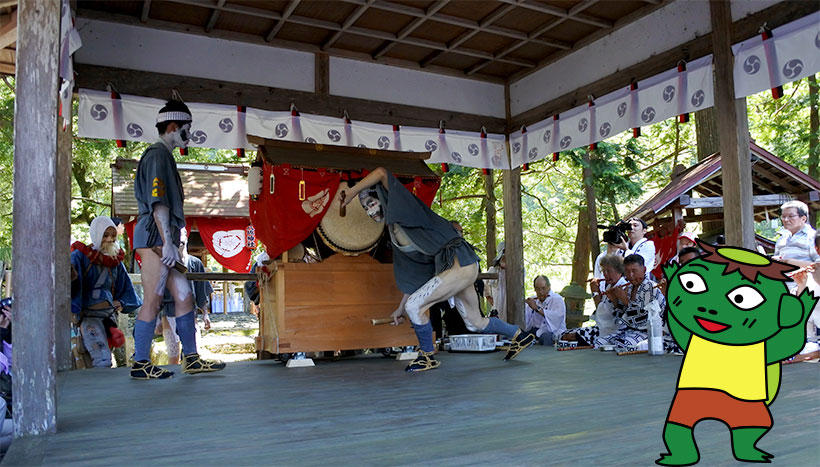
[214, 16]
[281, 22]
[405, 31]
[146, 8]
[494, 16]
[573, 14]
[8, 32]
[349, 21]
[535, 34]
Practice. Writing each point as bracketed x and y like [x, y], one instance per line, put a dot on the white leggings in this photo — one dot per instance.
[456, 282]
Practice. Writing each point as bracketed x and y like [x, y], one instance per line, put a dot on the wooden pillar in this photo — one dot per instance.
[513, 235]
[36, 253]
[62, 216]
[321, 71]
[489, 210]
[514, 246]
[734, 133]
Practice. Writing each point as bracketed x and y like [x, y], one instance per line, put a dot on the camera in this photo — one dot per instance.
[617, 232]
[6, 302]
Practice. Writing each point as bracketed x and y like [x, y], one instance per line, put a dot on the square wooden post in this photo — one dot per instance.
[513, 233]
[733, 128]
[37, 256]
[62, 217]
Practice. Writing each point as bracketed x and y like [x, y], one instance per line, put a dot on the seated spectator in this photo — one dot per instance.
[687, 254]
[605, 305]
[638, 243]
[634, 300]
[597, 272]
[796, 243]
[103, 290]
[546, 313]
[685, 240]
[6, 421]
[809, 277]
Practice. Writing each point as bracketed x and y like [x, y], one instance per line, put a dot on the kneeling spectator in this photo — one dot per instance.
[546, 312]
[606, 307]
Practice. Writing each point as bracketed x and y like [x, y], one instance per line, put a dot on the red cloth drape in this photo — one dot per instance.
[666, 247]
[280, 218]
[424, 189]
[225, 240]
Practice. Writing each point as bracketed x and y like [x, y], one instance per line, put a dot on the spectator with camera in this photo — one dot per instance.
[633, 241]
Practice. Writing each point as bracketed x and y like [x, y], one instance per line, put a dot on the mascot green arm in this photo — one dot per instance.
[793, 314]
[679, 333]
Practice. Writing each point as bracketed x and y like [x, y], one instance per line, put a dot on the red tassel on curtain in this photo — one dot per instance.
[777, 92]
[445, 167]
[682, 118]
[240, 109]
[120, 143]
[636, 132]
[592, 146]
[555, 135]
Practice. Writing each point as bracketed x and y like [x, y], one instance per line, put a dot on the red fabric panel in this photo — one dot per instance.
[424, 189]
[281, 220]
[225, 240]
[667, 248]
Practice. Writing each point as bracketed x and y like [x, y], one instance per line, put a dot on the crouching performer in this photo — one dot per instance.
[103, 289]
[159, 194]
[431, 263]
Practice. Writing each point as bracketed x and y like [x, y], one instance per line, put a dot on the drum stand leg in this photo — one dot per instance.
[407, 354]
[299, 360]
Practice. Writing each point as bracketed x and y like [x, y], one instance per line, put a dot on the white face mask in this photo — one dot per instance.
[180, 137]
[374, 208]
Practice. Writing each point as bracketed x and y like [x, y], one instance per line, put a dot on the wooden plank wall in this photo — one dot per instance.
[36, 254]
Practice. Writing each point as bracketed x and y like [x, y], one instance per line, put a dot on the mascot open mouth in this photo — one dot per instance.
[712, 326]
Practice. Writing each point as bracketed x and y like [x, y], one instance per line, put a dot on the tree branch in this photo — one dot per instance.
[89, 200]
[464, 197]
[654, 163]
[546, 211]
[551, 237]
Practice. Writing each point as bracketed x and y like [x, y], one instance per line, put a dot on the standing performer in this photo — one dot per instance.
[158, 190]
[431, 263]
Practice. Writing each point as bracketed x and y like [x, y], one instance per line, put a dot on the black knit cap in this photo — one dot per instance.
[174, 111]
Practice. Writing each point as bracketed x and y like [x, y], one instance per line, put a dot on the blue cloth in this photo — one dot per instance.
[434, 236]
[202, 290]
[143, 335]
[424, 332]
[157, 181]
[186, 330]
[100, 284]
[496, 326]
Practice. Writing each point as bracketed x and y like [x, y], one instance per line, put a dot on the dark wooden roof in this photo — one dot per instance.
[309, 155]
[212, 190]
[771, 175]
[491, 40]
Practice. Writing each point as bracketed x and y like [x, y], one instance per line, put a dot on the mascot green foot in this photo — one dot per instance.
[680, 442]
[743, 445]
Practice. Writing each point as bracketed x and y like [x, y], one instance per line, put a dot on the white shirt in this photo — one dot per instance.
[554, 320]
[604, 314]
[645, 248]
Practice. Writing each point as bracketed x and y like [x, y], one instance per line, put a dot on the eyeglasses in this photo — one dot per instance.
[789, 216]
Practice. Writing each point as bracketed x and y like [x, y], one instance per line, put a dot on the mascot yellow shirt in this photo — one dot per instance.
[739, 370]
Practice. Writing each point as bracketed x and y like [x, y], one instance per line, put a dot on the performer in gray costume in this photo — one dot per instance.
[431, 263]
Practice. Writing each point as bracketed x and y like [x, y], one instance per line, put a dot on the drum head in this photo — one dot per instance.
[352, 235]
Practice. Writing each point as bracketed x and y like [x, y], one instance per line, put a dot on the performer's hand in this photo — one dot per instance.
[345, 196]
[5, 317]
[170, 254]
[117, 306]
[207, 320]
[397, 316]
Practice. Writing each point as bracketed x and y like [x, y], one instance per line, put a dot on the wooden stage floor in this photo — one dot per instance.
[545, 408]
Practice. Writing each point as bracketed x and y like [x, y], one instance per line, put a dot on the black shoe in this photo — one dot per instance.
[146, 370]
[193, 364]
[520, 341]
[423, 362]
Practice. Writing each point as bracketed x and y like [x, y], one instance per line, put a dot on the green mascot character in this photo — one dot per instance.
[732, 314]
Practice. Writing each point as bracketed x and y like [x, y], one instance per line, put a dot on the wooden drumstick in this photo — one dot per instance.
[378, 321]
[177, 264]
[342, 208]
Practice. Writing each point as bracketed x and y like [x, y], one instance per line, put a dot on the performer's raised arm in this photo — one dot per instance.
[378, 175]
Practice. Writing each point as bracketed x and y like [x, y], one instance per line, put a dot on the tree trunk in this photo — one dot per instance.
[706, 133]
[592, 210]
[580, 270]
[814, 128]
[489, 209]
